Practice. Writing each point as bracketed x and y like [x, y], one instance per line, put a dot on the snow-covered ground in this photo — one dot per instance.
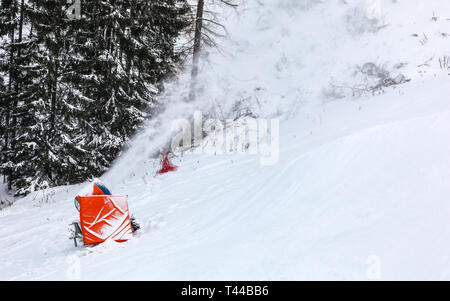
[361, 187]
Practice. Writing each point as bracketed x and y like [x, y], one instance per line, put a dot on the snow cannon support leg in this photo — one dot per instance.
[77, 234]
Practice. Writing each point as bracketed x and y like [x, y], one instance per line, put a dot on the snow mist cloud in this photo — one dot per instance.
[221, 137]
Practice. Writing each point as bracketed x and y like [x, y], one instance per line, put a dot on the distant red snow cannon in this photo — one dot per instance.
[166, 165]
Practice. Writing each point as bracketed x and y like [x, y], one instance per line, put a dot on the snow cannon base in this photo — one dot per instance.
[104, 217]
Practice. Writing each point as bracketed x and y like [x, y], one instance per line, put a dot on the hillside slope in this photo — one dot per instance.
[362, 182]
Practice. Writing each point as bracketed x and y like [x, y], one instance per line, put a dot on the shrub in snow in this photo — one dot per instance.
[370, 78]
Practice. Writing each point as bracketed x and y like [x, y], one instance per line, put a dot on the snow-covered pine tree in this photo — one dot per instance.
[79, 88]
[17, 49]
[8, 26]
[2, 121]
[117, 67]
[36, 139]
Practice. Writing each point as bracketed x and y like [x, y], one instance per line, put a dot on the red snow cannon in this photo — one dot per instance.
[104, 217]
[166, 165]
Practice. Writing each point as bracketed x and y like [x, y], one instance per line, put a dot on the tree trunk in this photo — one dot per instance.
[18, 80]
[197, 48]
[54, 91]
[8, 110]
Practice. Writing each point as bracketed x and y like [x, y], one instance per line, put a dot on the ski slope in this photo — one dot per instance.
[360, 191]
